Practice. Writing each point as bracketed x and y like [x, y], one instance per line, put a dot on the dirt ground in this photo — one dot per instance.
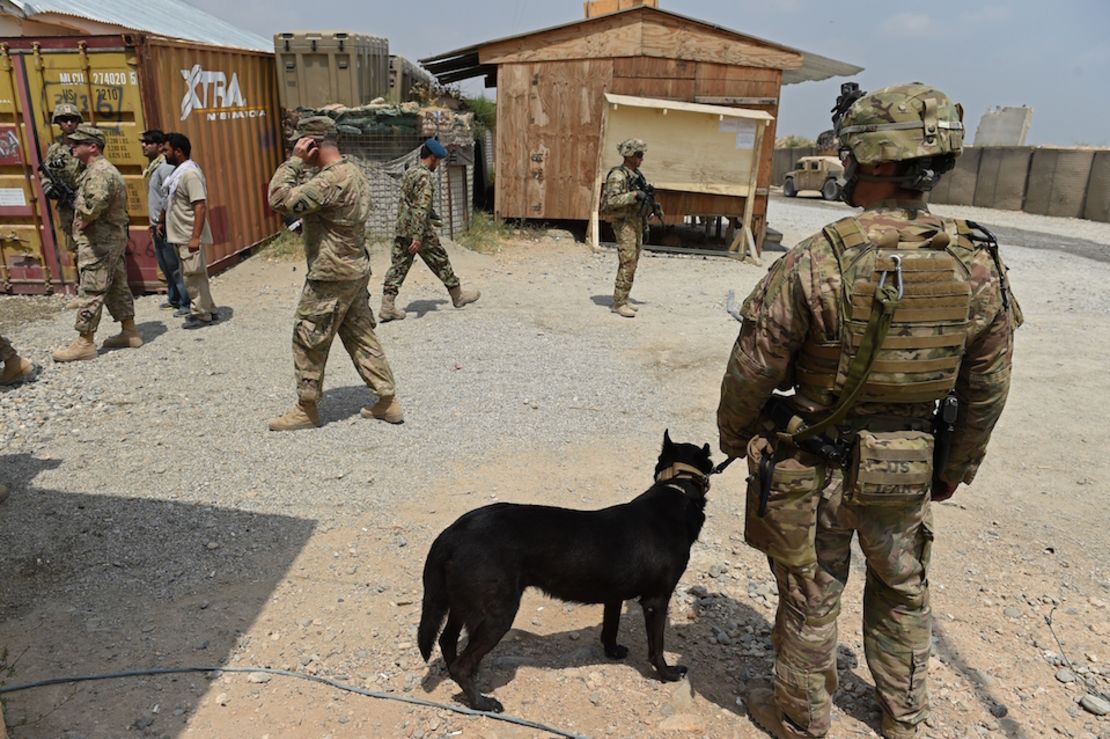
[101, 579]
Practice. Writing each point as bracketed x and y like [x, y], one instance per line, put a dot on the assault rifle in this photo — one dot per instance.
[849, 94]
[783, 417]
[58, 190]
[649, 206]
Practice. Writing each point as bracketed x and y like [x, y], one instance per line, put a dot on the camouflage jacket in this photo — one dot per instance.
[333, 205]
[101, 207]
[63, 165]
[801, 296]
[618, 196]
[415, 215]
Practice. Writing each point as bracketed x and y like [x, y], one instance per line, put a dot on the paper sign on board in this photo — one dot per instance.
[744, 130]
[12, 196]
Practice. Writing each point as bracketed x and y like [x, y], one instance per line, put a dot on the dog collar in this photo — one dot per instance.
[681, 469]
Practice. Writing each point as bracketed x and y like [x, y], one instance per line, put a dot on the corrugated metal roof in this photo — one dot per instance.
[460, 64]
[171, 18]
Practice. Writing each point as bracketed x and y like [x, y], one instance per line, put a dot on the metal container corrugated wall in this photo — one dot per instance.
[225, 101]
[98, 75]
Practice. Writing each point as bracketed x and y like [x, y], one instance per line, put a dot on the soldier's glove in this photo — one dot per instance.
[640, 195]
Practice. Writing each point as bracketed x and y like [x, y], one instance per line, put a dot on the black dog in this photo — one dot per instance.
[479, 566]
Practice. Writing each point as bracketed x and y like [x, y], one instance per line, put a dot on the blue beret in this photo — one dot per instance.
[436, 148]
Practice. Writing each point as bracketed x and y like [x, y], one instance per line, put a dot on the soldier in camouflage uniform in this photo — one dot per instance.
[622, 198]
[416, 234]
[925, 299]
[100, 230]
[65, 168]
[16, 368]
[333, 205]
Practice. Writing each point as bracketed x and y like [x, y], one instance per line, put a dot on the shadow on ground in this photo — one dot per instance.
[93, 582]
[717, 673]
[423, 307]
[341, 403]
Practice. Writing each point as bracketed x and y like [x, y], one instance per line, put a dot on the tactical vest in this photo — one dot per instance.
[919, 358]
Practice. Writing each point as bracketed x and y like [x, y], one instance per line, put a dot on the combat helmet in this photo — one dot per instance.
[912, 123]
[66, 110]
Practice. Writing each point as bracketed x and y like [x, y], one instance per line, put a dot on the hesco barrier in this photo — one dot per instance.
[1060, 177]
[224, 100]
[958, 185]
[1073, 183]
[1098, 189]
[1003, 173]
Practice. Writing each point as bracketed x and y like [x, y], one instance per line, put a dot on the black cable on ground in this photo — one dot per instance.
[300, 676]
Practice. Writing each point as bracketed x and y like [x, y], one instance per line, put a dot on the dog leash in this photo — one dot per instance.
[723, 466]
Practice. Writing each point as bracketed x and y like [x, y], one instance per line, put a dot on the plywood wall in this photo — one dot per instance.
[549, 120]
[548, 126]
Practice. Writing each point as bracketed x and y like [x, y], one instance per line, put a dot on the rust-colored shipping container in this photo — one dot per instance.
[224, 100]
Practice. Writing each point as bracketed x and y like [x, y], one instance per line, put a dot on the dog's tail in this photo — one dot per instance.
[436, 604]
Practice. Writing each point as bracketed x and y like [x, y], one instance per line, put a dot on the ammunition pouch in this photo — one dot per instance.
[890, 468]
[783, 493]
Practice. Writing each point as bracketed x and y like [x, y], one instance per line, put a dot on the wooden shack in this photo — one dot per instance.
[551, 86]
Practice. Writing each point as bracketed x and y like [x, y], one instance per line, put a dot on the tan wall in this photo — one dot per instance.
[1071, 183]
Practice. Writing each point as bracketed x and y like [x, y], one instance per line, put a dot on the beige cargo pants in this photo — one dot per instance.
[343, 308]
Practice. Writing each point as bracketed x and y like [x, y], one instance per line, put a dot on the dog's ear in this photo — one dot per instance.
[667, 443]
[705, 449]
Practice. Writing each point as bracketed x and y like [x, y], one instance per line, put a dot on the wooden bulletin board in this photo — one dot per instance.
[692, 148]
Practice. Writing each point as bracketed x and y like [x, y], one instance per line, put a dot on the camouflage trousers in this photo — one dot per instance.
[433, 254]
[630, 241]
[6, 350]
[896, 542]
[327, 309]
[103, 282]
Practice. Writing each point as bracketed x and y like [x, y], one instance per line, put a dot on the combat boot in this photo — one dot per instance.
[390, 311]
[386, 409]
[766, 714]
[461, 297]
[624, 309]
[83, 347]
[304, 415]
[16, 369]
[127, 338]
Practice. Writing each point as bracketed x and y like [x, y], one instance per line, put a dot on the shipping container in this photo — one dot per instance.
[403, 74]
[318, 68]
[225, 100]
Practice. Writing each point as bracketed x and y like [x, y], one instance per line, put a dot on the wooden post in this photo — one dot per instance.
[450, 204]
[749, 201]
[594, 235]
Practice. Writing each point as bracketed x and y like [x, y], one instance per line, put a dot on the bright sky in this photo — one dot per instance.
[1052, 56]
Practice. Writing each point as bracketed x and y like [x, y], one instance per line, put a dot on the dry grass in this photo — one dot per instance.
[485, 234]
[286, 245]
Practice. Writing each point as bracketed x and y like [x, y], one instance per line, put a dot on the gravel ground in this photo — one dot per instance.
[154, 520]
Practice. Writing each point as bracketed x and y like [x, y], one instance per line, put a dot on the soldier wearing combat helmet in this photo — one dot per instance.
[64, 168]
[100, 231]
[629, 201]
[333, 205]
[894, 328]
